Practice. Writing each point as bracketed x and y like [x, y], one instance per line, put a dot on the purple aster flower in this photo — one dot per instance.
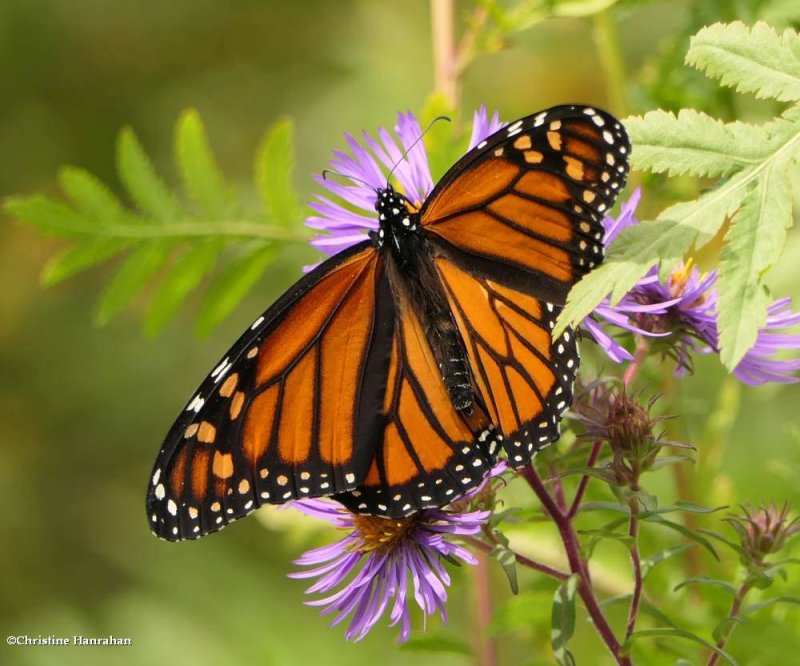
[347, 221]
[681, 314]
[382, 564]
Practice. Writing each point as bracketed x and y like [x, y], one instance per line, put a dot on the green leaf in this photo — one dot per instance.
[752, 608]
[727, 542]
[695, 143]
[665, 461]
[231, 287]
[563, 620]
[508, 561]
[673, 632]
[186, 273]
[750, 59]
[199, 170]
[724, 627]
[132, 276]
[139, 177]
[79, 258]
[653, 560]
[90, 195]
[694, 536]
[273, 168]
[437, 644]
[753, 245]
[159, 222]
[706, 581]
[602, 473]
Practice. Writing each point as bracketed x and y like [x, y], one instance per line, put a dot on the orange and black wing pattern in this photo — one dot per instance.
[291, 411]
[522, 376]
[525, 207]
[429, 454]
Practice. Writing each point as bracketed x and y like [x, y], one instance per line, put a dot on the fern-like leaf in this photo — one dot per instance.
[755, 195]
[165, 235]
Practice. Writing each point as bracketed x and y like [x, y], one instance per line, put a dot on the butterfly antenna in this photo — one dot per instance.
[325, 173]
[416, 141]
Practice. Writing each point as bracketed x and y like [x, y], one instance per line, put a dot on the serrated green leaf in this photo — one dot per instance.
[231, 287]
[90, 195]
[673, 632]
[273, 168]
[706, 580]
[51, 217]
[753, 245]
[756, 59]
[80, 257]
[199, 171]
[140, 179]
[696, 144]
[132, 276]
[185, 274]
[563, 620]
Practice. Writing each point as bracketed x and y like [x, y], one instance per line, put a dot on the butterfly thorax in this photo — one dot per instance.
[412, 275]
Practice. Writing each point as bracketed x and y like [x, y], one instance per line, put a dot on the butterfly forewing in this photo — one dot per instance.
[291, 411]
[525, 207]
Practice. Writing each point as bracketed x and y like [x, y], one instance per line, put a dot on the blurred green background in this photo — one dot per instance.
[83, 410]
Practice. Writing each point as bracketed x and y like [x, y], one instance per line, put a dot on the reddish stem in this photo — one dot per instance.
[576, 563]
[521, 559]
[736, 606]
[638, 358]
[594, 454]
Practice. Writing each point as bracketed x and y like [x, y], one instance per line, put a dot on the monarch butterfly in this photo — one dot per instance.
[390, 376]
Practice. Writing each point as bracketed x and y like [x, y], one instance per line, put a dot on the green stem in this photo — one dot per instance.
[607, 39]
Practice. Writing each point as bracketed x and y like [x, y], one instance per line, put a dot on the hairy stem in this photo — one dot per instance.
[444, 50]
[576, 563]
[521, 559]
[736, 606]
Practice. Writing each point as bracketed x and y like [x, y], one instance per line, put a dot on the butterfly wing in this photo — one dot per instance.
[521, 374]
[291, 411]
[429, 453]
[525, 206]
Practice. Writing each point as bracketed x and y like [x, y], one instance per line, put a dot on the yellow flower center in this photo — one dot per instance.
[383, 533]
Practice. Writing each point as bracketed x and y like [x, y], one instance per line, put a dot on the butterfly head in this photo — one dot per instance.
[397, 217]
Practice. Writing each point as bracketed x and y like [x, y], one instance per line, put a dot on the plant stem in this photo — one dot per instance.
[594, 454]
[636, 562]
[466, 48]
[487, 649]
[638, 359]
[736, 606]
[521, 559]
[444, 50]
[607, 40]
[577, 564]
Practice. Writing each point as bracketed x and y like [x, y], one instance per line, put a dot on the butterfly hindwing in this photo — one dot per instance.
[291, 411]
[429, 454]
[525, 206]
[521, 374]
